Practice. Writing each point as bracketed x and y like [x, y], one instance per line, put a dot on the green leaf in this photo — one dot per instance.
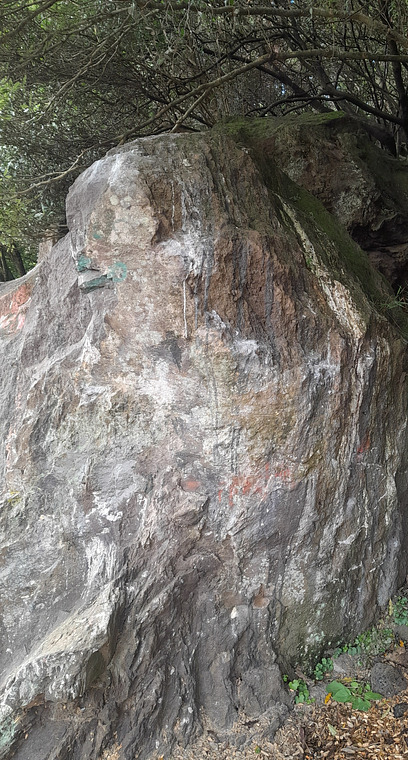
[333, 686]
[358, 703]
[372, 695]
[342, 696]
[332, 729]
[339, 692]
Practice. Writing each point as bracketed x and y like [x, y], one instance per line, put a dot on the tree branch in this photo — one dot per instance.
[317, 14]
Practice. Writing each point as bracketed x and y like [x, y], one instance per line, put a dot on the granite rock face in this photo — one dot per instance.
[203, 463]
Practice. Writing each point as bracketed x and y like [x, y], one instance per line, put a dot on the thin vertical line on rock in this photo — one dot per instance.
[185, 309]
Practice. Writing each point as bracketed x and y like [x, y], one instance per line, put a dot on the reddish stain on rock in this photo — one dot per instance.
[13, 307]
[190, 485]
[364, 445]
[20, 297]
[243, 485]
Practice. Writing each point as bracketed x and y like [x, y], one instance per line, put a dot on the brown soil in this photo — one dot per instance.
[336, 732]
[317, 732]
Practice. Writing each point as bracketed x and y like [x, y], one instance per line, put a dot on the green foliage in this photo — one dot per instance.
[323, 667]
[399, 610]
[23, 218]
[399, 301]
[345, 649]
[357, 694]
[376, 641]
[373, 642]
[301, 689]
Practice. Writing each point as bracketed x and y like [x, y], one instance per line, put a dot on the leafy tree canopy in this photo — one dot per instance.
[78, 77]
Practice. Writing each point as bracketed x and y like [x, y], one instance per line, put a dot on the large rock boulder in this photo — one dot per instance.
[203, 461]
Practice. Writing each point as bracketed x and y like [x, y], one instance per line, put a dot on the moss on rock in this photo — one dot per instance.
[341, 256]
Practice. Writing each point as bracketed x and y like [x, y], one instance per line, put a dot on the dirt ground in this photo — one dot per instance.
[316, 732]
[323, 731]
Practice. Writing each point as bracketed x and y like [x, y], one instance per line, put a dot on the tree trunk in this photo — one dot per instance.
[16, 260]
[5, 273]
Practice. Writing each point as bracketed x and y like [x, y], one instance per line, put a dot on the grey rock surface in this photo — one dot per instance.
[401, 631]
[345, 665]
[400, 709]
[318, 693]
[387, 680]
[203, 454]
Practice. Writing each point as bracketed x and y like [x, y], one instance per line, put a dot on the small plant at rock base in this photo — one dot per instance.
[301, 689]
[323, 667]
[345, 649]
[375, 641]
[400, 610]
[357, 694]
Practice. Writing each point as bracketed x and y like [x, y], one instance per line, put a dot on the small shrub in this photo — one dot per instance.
[400, 610]
[323, 667]
[357, 694]
[301, 689]
[368, 644]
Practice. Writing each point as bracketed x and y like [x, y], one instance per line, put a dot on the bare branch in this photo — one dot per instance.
[54, 176]
[317, 14]
[25, 21]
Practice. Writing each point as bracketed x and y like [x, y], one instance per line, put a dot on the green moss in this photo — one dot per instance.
[342, 257]
[347, 261]
[8, 729]
[297, 644]
[259, 129]
[335, 249]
